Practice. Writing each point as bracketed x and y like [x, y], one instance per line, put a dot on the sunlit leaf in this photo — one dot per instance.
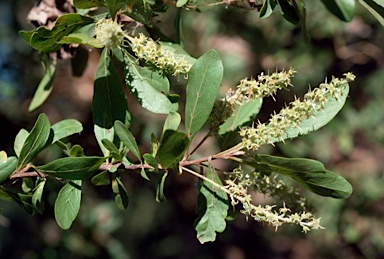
[150, 88]
[319, 118]
[7, 167]
[172, 122]
[203, 84]
[20, 140]
[212, 208]
[66, 128]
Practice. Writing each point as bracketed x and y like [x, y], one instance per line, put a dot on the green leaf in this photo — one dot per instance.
[115, 153]
[203, 84]
[150, 88]
[342, 9]
[81, 38]
[27, 184]
[4, 195]
[288, 11]
[172, 122]
[3, 156]
[121, 195]
[37, 197]
[45, 86]
[150, 160]
[319, 118]
[26, 35]
[85, 4]
[36, 140]
[160, 197]
[212, 209]
[180, 3]
[143, 174]
[178, 50]
[72, 168]
[242, 114]
[65, 128]
[115, 5]
[267, 9]
[76, 151]
[7, 167]
[139, 11]
[24, 200]
[101, 178]
[46, 40]
[67, 204]
[109, 101]
[173, 145]
[376, 7]
[20, 140]
[311, 174]
[127, 138]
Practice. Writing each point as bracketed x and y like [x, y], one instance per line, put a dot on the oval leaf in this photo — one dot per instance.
[309, 173]
[19, 141]
[72, 168]
[203, 84]
[65, 128]
[67, 204]
[172, 122]
[212, 208]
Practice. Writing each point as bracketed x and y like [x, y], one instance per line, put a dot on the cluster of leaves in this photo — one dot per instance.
[150, 86]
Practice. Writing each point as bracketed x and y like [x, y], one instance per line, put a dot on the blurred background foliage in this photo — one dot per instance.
[352, 144]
